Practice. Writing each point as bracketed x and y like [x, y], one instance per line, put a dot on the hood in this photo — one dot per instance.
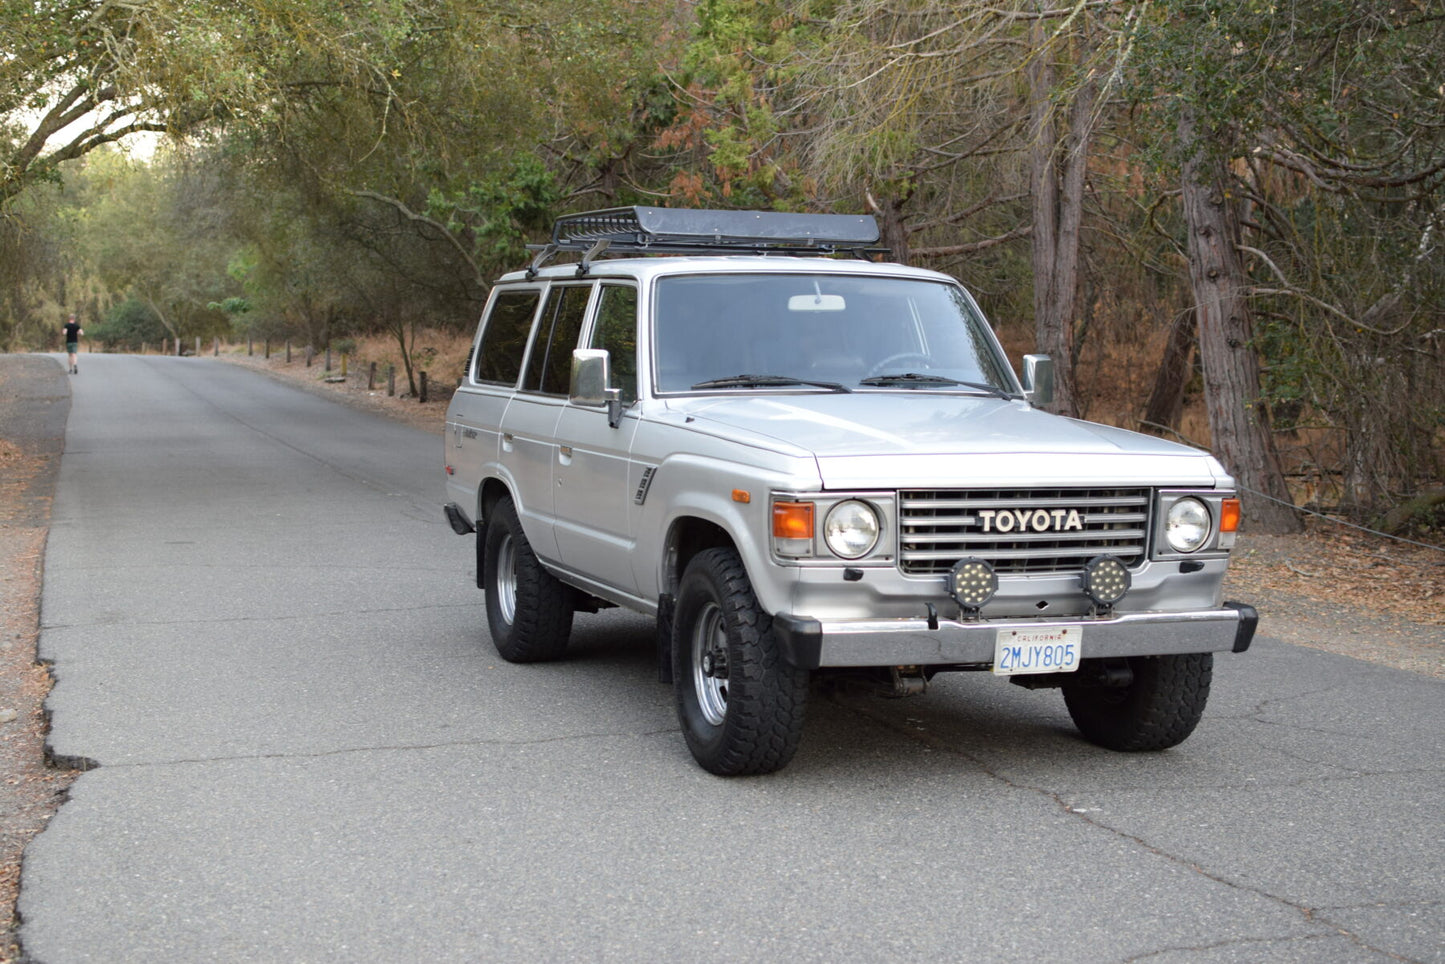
[915, 438]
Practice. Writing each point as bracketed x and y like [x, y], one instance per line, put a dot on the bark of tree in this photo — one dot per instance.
[1058, 162]
[892, 229]
[1238, 419]
[1166, 401]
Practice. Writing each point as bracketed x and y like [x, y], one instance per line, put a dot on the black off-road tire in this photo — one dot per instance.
[751, 720]
[529, 611]
[1159, 709]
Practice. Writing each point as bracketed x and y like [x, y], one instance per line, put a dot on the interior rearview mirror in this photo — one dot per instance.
[817, 302]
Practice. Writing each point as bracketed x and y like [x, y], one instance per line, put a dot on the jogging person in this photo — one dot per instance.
[73, 331]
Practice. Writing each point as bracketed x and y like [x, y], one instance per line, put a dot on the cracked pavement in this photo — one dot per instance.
[269, 647]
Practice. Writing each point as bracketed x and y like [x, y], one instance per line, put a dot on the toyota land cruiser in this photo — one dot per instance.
[805, 461]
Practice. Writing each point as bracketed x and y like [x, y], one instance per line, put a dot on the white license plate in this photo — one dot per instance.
[1053, 650]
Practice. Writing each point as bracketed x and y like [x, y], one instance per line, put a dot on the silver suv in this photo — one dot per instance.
[805, 462]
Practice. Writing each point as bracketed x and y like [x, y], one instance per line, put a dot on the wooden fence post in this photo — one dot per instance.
[421, 389]
[391, 380]
[371, 378]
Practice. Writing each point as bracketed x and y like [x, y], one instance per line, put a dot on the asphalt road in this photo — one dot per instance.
[270, 645]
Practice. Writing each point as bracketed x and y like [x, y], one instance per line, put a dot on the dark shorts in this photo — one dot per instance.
[72, 346]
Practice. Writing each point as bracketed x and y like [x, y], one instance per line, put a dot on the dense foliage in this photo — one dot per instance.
[363, 166]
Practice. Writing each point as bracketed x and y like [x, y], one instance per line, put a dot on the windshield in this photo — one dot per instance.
[821, 332]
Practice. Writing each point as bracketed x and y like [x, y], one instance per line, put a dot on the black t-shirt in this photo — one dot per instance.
[72, 332]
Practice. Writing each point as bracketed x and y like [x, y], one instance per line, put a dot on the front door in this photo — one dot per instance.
[594, 491]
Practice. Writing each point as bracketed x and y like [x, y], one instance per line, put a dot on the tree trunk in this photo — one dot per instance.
[161, 316]
[892, 231]
[1166, 401]
[1238, 420]
[1058, 162]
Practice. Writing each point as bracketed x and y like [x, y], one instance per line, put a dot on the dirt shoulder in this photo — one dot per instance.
[34, 404]
[1347, 592]
[1332, 588]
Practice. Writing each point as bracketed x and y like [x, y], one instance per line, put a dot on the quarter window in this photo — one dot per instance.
[505, 337]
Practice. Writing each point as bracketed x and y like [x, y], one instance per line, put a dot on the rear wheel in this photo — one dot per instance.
[1159, 709]
[740, 703]
[529, 611]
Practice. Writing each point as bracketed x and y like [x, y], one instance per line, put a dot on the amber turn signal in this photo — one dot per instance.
[1229, 515]
[793, 520]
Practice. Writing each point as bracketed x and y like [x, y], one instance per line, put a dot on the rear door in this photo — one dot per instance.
[474, 417]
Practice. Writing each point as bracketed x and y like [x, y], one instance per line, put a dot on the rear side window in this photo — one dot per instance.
[505, 337]
[549, 367]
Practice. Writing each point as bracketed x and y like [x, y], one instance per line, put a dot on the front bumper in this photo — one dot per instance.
[814, 644]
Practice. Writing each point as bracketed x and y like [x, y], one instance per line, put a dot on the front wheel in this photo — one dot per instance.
[528, 610]
[739, 702]
[1159, 709]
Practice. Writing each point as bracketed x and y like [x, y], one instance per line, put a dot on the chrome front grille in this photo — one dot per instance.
[1021, 530]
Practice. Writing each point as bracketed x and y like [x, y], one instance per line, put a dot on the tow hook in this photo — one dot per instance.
[907, 681]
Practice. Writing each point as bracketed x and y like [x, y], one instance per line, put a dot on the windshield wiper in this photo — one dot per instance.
[767, 381]
[918, 378]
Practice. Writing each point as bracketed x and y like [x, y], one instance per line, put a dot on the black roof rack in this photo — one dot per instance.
[649, 230]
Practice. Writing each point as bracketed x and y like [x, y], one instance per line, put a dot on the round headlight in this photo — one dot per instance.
[1188, 526]
[851, 529]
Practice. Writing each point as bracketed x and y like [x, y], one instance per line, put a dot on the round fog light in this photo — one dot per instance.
[1105, 580]
[972, 583]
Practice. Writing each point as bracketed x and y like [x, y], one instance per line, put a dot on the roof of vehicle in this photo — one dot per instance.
[643, 269]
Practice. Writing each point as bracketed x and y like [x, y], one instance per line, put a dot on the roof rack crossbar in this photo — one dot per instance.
[651, 230]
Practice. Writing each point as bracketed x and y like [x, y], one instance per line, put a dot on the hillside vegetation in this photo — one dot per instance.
[1222, 218]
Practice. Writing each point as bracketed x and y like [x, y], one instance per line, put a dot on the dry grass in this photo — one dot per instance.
[442, 354]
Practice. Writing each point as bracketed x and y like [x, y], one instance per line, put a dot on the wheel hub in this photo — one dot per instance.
[709, 664]
[715, 665]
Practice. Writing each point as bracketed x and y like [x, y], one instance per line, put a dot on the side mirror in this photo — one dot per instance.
[591, 373]
[1038, 379]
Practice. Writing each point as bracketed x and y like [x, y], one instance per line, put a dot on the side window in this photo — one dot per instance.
[505, 337]
[549, 368]
[616, 331]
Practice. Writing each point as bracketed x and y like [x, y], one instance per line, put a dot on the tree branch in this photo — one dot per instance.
[411, 215]
[974, 246]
